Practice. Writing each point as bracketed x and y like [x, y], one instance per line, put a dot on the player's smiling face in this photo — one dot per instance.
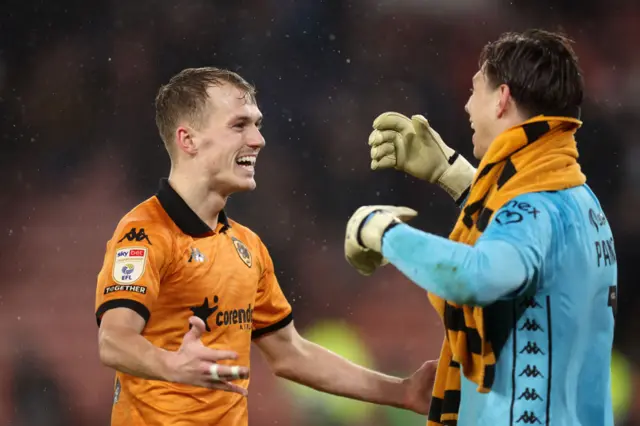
[229, 140]
[482, 109]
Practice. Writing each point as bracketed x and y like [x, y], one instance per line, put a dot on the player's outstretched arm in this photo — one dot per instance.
[413, 146]
[503, 260]
[292, 357]
[123, 348]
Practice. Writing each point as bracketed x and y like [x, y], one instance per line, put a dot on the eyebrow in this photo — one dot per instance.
[246, 119]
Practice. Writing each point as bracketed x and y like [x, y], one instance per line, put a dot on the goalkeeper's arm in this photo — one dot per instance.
[413, 146]
[503, 261]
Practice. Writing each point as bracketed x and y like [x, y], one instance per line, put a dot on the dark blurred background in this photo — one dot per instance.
[80, 148]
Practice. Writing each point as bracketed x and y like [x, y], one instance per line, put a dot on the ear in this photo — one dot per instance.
[504, 97]
[185, 141]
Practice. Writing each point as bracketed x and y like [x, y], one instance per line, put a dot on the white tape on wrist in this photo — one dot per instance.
[235, 372]
[214, 372]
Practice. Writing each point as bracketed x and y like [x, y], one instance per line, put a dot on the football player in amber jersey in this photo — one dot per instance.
[184, 290]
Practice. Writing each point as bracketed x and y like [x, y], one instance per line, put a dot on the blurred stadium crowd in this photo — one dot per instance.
[77, 83]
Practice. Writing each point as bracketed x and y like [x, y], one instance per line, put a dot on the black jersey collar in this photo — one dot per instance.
[186, 219]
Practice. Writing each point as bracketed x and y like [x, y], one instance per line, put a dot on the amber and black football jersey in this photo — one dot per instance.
[166, 264]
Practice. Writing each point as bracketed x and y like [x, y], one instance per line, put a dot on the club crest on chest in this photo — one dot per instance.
[243, 251]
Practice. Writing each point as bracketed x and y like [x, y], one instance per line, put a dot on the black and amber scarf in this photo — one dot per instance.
[537, 155]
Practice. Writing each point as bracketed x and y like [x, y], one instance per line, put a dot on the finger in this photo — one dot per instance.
[228, 372]
[213, 372]
[421, 125]
[215, 355]
[378, 137]
[228, 387]
[196, 330]
[387, 162]
[393, 121]
[379, 151]
[198, 326]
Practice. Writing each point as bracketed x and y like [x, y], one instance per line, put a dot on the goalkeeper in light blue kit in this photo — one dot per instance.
[526, 284]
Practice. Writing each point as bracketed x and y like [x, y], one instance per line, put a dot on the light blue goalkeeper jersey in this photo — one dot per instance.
[545, 272]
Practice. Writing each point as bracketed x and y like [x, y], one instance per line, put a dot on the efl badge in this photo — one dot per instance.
[128, 266]
[243, 251]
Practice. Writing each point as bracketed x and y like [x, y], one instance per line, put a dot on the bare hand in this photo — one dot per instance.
[419, 386]
[194, 364]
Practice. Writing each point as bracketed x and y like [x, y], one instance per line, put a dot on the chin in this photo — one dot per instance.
[235, 185]
[246, 185]
[479, 148]
[477, 154]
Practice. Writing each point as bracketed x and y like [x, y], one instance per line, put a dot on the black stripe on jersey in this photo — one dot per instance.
[514, 306]
[501, 322]
[273, 327]
[134, 305]
[501, 318]
[549, 351]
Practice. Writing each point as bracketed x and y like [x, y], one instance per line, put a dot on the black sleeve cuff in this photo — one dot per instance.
[273, 327]
[134, 305]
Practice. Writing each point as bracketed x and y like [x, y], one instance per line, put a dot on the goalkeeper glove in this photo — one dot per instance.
[365, 229]
[411, 145]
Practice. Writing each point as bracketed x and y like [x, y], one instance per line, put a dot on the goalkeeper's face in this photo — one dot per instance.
[485, 108]
[228, 141]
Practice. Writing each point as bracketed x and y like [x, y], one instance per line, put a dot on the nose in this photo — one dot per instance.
[256, 140]
[466, 106]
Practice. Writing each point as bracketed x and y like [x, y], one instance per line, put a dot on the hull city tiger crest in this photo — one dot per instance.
[243, 251]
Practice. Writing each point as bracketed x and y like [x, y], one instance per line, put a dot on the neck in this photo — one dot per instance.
[198, 195]
[510, 121]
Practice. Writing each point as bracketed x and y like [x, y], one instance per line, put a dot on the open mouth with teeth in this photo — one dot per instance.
[246, 161]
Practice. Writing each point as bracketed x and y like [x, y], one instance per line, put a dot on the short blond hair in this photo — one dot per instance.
[185, 96]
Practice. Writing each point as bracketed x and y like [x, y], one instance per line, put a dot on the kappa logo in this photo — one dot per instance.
[532, 348]
[134, 235]
[531, 372]
[529, 418]
[531, 325]
[243, 251]
[530, 395]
